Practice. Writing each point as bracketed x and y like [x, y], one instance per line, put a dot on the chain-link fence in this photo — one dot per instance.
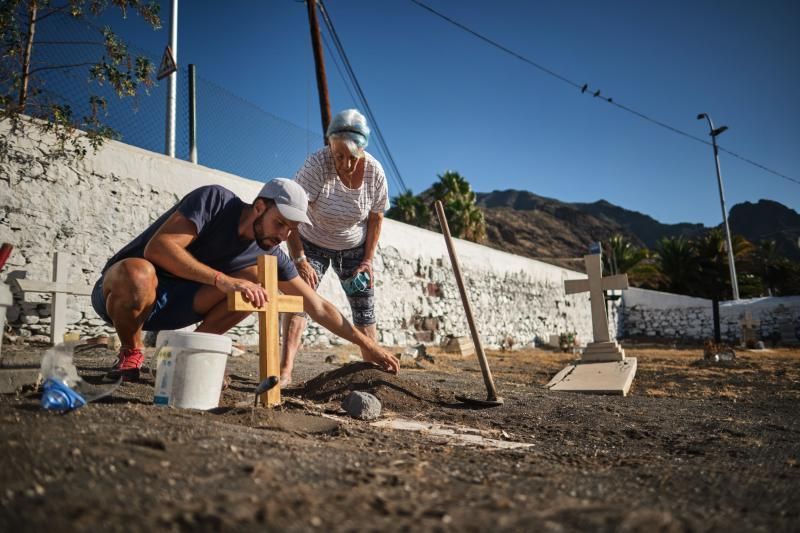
[234, 135]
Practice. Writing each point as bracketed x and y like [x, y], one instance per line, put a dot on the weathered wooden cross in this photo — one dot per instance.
[603, 368]
[59, 289]
[268, 341]
[749, 329]
[603, 348]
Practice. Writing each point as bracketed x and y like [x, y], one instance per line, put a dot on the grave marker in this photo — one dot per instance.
[750, 330]
[59, 288]
[603, 368]
[268, 340]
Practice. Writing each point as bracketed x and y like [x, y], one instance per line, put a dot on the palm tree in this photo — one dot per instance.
[465, 219]
[410, 209]
[460, 206]
[768, 264]
[451, 185]
[678, 264]
[620, 256]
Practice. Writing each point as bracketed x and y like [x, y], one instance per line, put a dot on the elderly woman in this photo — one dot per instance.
[347, 194]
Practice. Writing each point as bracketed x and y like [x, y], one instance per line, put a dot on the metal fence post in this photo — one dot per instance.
[192, 117]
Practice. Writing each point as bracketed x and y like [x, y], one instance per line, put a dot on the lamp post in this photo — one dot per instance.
[713, 132]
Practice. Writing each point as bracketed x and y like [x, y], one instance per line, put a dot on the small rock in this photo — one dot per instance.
[362, 405]
[760, 345]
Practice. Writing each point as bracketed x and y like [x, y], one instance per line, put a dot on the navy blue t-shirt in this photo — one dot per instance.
[215, 212]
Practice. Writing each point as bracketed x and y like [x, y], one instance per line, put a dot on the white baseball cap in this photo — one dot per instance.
[290, 198]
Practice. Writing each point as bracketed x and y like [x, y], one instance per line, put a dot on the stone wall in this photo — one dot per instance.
[92, 207]
[662, 315]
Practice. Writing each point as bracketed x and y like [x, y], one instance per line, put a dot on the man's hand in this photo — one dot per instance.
[375, 354]
[308, 274]
[252, 292]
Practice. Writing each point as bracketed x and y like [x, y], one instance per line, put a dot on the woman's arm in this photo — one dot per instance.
[374, 223]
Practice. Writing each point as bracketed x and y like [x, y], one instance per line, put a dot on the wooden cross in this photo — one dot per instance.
[595, 285]
[748, 321]
[268, 341]
[59, 288]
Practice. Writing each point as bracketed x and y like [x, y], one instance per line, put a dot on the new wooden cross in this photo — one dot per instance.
[268, 342]
[595, 285]
[749, 329]
[59, 289]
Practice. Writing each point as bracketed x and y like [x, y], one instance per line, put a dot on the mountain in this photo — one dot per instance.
[543, 228]
[768, 220]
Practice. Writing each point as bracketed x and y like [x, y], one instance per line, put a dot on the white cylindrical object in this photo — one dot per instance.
[6, 299]
[190, 368]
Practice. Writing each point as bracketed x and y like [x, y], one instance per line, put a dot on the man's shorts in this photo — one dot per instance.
[173, 308]
[344, 262]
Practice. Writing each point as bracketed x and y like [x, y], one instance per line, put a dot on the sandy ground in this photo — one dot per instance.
[694, 447]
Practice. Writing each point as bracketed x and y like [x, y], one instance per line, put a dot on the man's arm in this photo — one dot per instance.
[326, 314]
[167, 250]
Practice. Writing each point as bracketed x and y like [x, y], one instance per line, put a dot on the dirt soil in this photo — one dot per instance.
[695, 446]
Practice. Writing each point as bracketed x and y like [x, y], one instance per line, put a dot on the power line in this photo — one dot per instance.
[596, 93]
[348, 85]
[348, 67]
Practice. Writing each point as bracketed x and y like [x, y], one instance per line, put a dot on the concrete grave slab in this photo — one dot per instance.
[603, 368]
[612, 377]
[12, 379]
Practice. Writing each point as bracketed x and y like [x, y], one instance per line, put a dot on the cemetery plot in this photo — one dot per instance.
[696, 445]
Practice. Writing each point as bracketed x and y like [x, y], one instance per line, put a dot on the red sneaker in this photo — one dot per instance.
[127, 367]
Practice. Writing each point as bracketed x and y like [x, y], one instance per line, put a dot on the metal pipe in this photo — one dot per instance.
[169, 137]
[476, 340]
[731, 263]
[192, 116]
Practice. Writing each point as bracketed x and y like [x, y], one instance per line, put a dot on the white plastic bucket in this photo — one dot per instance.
[190, 368]
[5, 302]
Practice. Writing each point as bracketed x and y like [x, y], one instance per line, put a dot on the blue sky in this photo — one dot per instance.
[446, 100]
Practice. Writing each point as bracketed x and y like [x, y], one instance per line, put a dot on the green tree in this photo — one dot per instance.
[677, 262]
[19, 74]
[620, 256]
[460, 206]
[768, 263]
[410, 209]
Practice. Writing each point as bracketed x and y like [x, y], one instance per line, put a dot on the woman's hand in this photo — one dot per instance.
[308, 273]
[365, 266]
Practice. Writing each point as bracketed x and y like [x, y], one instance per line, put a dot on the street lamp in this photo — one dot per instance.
[714, 132]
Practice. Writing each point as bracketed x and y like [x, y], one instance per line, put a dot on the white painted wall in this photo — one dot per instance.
[92, 207]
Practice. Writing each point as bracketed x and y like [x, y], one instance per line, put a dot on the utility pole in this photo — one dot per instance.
[319, 62]
[714, 132]
[172, 82]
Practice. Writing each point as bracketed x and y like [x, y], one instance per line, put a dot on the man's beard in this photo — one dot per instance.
[263, 242]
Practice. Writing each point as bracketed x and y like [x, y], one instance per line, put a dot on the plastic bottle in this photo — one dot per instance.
[356, 283]
[60, 375]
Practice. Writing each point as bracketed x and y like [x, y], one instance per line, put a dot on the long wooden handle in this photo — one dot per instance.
[476, 340]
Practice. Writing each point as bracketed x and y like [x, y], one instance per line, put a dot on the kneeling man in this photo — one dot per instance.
[180, 270]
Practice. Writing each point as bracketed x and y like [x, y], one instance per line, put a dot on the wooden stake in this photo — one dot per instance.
[476, 340]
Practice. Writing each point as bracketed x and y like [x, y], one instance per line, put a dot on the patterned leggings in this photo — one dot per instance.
[344, 262]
